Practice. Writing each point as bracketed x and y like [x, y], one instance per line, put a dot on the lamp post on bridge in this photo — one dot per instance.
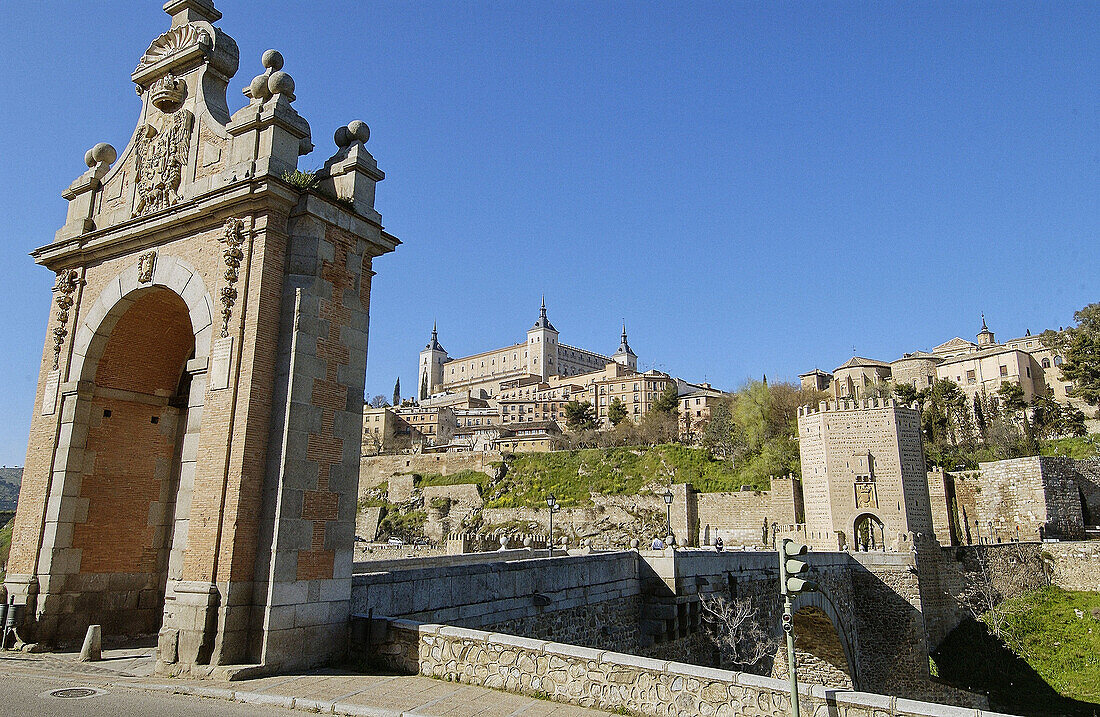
[668, 511]
[552, 504]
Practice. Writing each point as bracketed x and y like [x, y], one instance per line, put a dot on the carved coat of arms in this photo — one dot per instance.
[160, 159]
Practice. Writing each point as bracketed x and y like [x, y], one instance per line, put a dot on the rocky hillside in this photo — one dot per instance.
[608, 496]
[9, 487]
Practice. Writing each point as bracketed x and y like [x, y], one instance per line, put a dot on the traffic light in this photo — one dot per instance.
[791, 570]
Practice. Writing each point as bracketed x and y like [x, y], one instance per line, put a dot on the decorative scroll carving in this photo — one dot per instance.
[173, 41]
[233, 239]
[161, 157]
[146, 263]
[67, 281]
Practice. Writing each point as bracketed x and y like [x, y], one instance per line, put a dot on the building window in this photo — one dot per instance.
[1046, 363]
[1004, 370]
[971, 377]
[1057, 360]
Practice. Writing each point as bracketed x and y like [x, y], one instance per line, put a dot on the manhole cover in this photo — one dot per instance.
[75, 693]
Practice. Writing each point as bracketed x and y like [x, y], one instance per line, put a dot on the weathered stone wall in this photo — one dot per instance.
[448, 506]
[1021, 499]
[375, 469]
[615, 681]
[366, 522]
[742, 518]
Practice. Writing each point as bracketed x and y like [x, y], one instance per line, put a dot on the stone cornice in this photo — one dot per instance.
[153, 229]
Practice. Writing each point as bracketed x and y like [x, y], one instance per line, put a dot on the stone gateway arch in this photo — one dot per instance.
[193, 455]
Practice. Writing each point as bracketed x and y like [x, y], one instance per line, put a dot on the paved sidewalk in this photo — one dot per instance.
[329, 691]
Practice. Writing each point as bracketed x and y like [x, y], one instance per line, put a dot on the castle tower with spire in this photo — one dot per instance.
[538, 358]
[432, 359]
[985, 336]
[542, 346]
[625, 356]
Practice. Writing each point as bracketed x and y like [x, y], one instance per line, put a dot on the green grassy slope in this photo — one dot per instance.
[5, 544]
[1054, 668]
[573, 475]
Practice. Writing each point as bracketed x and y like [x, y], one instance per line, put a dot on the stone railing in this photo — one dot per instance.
[440, 561]
[609, 680]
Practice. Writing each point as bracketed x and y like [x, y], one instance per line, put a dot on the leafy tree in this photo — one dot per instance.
[379, 401]
[397, 392]
[1080, 345]
[722, 436]
[906, 394]
[579, 416]
[616, 412]
[669, 402]
[1051, 419]
[424, 386]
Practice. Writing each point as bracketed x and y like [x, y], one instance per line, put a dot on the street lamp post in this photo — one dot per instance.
[668, 511]
[552, 504]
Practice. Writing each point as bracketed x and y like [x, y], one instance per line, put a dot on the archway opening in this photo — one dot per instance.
[818, 649]
[869, 533]
[130, 481]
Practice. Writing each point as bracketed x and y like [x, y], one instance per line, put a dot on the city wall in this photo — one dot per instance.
[1018, 499]
[376, 469]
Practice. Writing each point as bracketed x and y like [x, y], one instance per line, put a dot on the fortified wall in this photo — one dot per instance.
[378, 469]
[1021, 499]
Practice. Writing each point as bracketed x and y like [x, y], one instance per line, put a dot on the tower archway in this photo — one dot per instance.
[869, 532]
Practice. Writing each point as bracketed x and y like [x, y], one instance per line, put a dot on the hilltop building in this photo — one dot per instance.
[975, 366]
[541, 356]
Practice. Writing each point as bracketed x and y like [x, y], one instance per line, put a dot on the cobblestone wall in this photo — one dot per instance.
[618, 682]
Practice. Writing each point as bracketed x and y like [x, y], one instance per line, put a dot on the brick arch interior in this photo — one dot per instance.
[820, 648]
[136, 415]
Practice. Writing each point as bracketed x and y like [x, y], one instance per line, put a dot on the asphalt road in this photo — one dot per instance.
[28, 695]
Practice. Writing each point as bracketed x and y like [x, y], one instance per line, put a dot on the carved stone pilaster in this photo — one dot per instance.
[233, 239]
[67, 281]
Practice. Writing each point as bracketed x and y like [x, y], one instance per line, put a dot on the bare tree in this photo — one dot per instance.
[737, 631]
[992, 577]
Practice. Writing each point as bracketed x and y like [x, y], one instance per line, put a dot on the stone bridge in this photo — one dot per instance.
[864, 630]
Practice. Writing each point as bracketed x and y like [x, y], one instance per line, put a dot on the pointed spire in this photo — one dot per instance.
[543, 322]
[624, 347]
[434, 343]
[984, 327]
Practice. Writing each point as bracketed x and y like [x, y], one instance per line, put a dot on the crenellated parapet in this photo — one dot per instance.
[852, 405]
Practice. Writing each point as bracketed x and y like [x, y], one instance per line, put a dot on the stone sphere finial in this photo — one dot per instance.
[342, 137]
[102, 153]
[359, 130]
[281, 83]
[273, 60]
[257, 89]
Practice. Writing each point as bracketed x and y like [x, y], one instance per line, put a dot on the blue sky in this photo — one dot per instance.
[755, 187]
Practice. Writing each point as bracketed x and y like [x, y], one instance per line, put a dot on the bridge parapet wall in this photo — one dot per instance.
[584, 599]
[615, 681]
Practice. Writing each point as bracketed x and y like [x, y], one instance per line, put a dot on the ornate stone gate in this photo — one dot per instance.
[193, 456]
